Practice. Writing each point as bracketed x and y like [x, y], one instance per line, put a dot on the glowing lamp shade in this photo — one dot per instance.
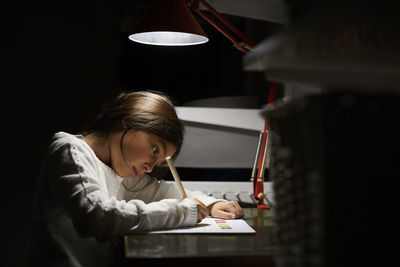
[168, 38]
[169, 23]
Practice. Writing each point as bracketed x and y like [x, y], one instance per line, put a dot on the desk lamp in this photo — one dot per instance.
[171, 23]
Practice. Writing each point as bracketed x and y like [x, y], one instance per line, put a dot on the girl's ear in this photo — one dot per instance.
[124, 125]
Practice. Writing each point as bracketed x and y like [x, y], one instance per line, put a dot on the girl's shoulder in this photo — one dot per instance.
[62, 141]
[68, 150]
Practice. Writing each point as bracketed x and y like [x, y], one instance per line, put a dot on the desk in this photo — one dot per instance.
[206, 249]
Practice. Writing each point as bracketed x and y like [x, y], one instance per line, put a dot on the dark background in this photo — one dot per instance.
[62, 60]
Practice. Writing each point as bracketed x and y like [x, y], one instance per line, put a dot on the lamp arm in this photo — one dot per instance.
[258, 184]
[245, 46]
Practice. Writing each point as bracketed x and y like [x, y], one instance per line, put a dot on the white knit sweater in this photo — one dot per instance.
[81, 204]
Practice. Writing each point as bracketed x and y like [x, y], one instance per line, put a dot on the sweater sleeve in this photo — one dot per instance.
[72, 181]
[152, 190]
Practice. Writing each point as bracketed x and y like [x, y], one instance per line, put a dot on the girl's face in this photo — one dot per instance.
[138, 152]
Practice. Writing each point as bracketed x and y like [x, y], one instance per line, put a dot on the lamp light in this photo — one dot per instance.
[169, 23]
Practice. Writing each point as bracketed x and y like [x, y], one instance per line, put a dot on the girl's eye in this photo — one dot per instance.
[155, 150]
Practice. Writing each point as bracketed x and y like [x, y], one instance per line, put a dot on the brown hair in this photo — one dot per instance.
[149, 111]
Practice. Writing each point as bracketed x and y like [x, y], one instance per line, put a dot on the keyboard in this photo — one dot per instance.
[241, 192]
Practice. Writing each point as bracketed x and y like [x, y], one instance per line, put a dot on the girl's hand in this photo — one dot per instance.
[202, 211]
[226, 210]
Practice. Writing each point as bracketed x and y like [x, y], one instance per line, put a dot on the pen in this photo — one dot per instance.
[176, 176]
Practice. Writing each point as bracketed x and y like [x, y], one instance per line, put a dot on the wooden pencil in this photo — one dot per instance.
[176, 176]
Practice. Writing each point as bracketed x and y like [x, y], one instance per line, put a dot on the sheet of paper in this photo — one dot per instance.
[212, 226]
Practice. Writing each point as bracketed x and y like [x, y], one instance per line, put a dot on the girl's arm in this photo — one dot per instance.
[218, 208]
[72, 183]
[149, 189]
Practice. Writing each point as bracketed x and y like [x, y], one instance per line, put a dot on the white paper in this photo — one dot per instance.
[212, 226]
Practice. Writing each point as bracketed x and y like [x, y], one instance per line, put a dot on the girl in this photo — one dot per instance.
[100, 185]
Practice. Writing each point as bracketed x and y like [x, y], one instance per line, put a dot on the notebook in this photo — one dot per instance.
[211, 226]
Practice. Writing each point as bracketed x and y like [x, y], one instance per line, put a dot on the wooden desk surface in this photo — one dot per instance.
[234, 249]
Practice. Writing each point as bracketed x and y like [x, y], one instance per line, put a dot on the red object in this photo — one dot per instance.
[258, 183]
[245, 45]
[175, 16]
[170, 16]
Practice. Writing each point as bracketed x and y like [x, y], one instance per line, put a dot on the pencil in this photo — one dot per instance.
[176, 176]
